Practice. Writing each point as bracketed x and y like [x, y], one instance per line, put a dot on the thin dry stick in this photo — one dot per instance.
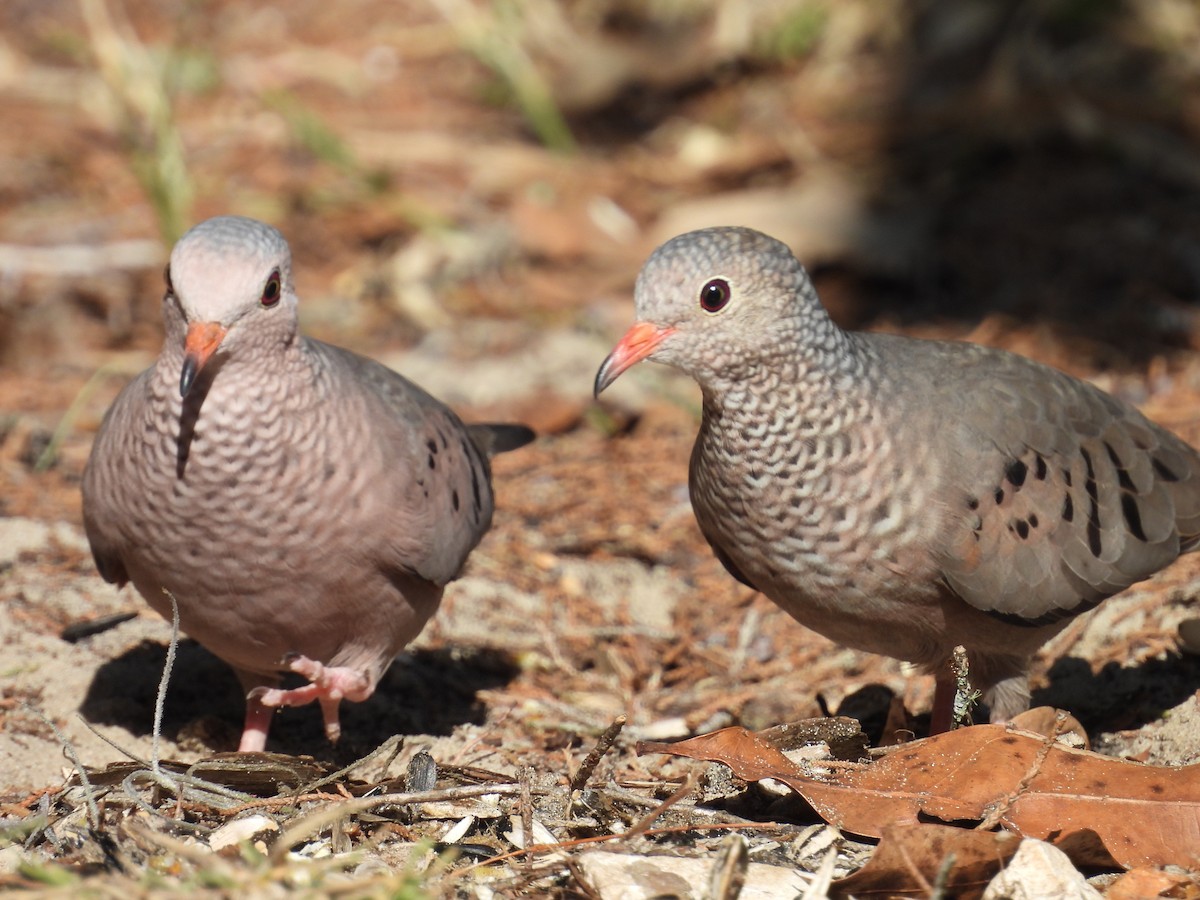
[315, 822]
[588, 766]
[393, 744]
[160, 700]
[526, 807]
[1001, 807]
[651, 817]
[606, 838]
[69, 749]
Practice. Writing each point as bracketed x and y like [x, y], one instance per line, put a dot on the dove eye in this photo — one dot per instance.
[272, 290]
[714, 295]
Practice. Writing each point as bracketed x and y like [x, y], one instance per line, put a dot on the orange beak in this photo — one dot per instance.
[639, 341]
[203, 339]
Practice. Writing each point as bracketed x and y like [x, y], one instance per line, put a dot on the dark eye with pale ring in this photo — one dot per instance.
[272, 290]
[714, 295]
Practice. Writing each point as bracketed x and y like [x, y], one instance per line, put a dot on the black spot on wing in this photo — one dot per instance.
[1093, 525]
[1123, 478]
[1039, 467]
[1133, 516]
[1015, 472]
[1163, 470]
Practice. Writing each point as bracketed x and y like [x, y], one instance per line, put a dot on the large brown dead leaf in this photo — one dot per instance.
[1146, 816]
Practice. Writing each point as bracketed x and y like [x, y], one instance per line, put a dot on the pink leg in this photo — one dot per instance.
[329, 686]
[258, 723]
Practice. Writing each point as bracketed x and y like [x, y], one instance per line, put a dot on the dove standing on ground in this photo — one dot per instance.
[305, 506]
[903, 496]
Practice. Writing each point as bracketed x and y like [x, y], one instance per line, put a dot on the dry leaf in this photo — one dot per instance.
[1146, 816]
[909, 859]
[1141, 884]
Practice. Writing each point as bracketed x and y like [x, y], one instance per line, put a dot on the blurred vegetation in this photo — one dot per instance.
[142, 86]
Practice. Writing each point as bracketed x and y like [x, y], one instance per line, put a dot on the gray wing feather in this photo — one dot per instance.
[1073, 498]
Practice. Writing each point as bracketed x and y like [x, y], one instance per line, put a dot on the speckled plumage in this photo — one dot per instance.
[904, 496]
[299, 500]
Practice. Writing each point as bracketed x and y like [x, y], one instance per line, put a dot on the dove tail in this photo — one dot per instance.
[493, 438]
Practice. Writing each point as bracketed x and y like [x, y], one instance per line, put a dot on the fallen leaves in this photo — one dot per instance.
[986, 775]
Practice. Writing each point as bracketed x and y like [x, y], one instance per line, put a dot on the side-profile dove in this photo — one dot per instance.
[303, 505]
[903, 496]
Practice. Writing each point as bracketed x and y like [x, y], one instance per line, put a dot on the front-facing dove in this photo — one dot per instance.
[903, 496]
[305, 506]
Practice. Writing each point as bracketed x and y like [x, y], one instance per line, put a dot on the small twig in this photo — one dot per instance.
[69, 749]
[997, 810]
[317, 821]
[607, 838]
[393, 743]
[964, 695]
[160, 699]
[525, 805]
[651, 817]
[588, 766]
[729, 870]
[132, 756]
[915, 873]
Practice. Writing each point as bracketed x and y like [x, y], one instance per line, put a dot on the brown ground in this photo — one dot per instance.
[1029, 180]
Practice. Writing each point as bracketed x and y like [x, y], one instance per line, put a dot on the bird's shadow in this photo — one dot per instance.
[426, 691]
[1117, 697]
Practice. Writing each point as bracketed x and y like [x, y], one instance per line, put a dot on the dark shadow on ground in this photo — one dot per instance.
[1119, 698]
[424, 692]
[1048, 145]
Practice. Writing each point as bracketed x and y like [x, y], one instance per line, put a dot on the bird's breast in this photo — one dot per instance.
[811, 502]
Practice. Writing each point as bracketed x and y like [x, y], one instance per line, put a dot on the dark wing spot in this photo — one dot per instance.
[432, 445]
[1068, 509]
[1022, 528]
[1093, 525]
[454, 500]
[1016, 472]
[972, 503]
[1039, 467]
[432, 462]
[999, 495]
[1123, 478]
[1033, 520]
[1067, 476]
[1133, 516]
[1164, 472]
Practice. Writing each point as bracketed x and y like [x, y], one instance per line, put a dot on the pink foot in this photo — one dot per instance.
[329, 686]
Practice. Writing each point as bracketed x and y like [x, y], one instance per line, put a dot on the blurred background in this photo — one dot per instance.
[470, 186]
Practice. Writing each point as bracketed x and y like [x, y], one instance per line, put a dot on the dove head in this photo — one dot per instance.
[230, 278]
[717, 304]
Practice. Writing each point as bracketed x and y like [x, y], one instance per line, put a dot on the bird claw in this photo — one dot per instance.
[328, 685]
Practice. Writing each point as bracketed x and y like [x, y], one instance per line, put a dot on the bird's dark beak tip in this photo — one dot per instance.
[603, 378]
[188, 376]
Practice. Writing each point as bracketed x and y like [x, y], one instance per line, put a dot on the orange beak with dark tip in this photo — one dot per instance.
[639, 341]
[203, 339]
